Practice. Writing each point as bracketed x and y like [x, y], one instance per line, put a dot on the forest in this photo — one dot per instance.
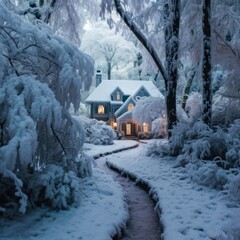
[50, 52]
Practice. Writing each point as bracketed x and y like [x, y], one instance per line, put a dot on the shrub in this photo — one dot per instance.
[211, 157]
[97, 132]
[55, 187]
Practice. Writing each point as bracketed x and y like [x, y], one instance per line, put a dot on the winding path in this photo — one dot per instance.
[143, 223]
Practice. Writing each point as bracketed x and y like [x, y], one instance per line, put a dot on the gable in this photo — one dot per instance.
[141, 92]
[117, 95]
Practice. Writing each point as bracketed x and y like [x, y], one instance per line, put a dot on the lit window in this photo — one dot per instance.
[128, 129]
[130, 107]
[145, 127]
[100, 109]
[118, 97]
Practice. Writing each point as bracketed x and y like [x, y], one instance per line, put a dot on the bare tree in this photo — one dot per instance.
[109, 51]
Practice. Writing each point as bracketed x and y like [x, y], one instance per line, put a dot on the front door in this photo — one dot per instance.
[128, 129]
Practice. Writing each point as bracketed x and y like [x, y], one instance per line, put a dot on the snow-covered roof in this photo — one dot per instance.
[125, 117]
[116, 102]
[102, 93]
[124, 105]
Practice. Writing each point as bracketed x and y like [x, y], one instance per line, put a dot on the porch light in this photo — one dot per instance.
[114, 124]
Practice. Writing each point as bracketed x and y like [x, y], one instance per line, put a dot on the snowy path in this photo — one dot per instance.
[143, 222]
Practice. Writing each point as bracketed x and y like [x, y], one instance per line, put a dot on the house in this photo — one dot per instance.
[112, 101]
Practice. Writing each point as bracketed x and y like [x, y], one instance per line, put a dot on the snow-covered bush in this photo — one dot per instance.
[197, 141]
[148, 109]
[159, 127]
[41, 75]
[97, 132]
[225, 109]
[12, 197]
[233, 145]
[157, 148]
[211, 157]
[208, 174]
[55, 187]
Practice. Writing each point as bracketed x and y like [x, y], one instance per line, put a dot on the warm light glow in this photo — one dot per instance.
[145, 127]
[101, 109]
[115, 124]
[118, 97]
[128, 129]
[130, 107]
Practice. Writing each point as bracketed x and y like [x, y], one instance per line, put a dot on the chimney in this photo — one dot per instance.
[98, 77]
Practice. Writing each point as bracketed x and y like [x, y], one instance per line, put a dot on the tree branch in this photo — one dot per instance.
[56, 136]
[234, 53]
[134, 28]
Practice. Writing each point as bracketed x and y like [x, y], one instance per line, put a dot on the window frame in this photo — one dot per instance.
[101, 109]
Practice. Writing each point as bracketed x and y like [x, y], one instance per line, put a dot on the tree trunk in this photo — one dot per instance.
[206, 64]
[109, 70]
[169, 73]
[172, 22]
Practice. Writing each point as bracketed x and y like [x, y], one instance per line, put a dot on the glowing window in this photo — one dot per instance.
[118, 96]
[100, 109]
[145, 127]
[130, 107]
[128, 129]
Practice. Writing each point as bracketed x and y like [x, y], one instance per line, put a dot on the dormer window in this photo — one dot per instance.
[118, 96]
[130, 107]
[101, 109]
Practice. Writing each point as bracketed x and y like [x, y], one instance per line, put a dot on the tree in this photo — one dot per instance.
[172, 22]
[171, 15]
[41, 76]
[112, 53]
[65, 17]
[206, 64]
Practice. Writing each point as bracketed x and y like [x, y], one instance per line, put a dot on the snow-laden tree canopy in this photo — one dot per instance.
[66, 17]
[41, 75]
[111, 51]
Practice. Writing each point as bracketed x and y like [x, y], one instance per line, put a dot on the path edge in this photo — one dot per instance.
[143, 185]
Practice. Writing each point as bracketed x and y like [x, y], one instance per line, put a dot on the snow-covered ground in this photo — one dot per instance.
[189, 211]
[102, 210]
